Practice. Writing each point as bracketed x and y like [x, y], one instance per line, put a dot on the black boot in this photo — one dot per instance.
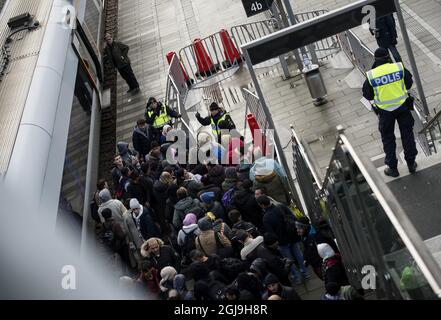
[391, 172]
[412, 167]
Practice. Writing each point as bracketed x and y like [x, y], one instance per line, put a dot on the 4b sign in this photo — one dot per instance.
[253, 7]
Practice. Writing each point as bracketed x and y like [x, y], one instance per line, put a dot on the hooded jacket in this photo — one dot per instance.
[117, 54]
[274, 222]
[249, 251]
[182, 235]
[141, 140]
[332, 267]
[217, 175]
[125, 152]
[184, 206]
[245, 201]
[117, 209]
[167, 256]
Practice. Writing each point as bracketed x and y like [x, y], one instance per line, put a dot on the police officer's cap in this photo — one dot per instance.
[381, 53]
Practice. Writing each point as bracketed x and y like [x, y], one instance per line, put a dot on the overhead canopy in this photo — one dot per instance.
[316, 29]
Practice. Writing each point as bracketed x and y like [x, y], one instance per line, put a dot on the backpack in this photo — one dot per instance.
[289, 220]
[227, 199]
[189, 243]
[108, 237]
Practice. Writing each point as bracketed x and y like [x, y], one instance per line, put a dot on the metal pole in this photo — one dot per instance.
[282, 59]
[311, 47]
[282, 157]
[412, 59]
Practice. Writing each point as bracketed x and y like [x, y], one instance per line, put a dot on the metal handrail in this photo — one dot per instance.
[309, 161]
[398, 218]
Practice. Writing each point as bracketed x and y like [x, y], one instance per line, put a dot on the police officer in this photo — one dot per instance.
[218, 119]
[158, 115]
[385, 33]
[387, 85]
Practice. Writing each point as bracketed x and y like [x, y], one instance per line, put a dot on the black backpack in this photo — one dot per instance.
[189, 243]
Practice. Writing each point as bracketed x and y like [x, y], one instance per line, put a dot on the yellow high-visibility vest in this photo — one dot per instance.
[162, 119]
[390, 90]
[215, 125]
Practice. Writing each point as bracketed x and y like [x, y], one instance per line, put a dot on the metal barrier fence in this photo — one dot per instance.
[248, 32]
[253, 106]
[363, 59]
[176, 95]
[323, 48]
[371, 228]
[432, 133]
[209, 57]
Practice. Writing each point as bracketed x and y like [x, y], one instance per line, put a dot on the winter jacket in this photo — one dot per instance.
[151, 119]
[310, 242]
[117, 209]
[206, 242]
[141, 190]
[220, 226]
[117, 54]
[368, 90]
[147, 226]
[186, 230]
[125, 152]
[274, 186]
[249, 251]
[217, 175]
[228, 184]
[275, 262]
[386, 31]
[274, 222]
[245, 201]
[332, 267]
[217, 209]
[183, 207]
[167, 257]
[116, 175]
[141, 140]
[247, 226]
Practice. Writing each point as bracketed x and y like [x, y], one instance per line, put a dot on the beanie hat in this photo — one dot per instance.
[259, 265]
[189, 219]
[214, 106]
[134, 204]
[270, 279]
[105, 195]
[207, 197]
[230, 173]
[205, 224]
[168, 273]
[381, 53]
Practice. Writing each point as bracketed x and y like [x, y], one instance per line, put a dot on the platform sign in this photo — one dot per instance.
[253, 7]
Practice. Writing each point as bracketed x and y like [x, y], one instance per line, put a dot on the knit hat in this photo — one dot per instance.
[259, 265]
[189, 219]
[381, 53]
[269, 239]
[230, 173]
[205, 224]
[105, 195]
[207, 197]
[270, 279]
[214, 106]
[134, 204]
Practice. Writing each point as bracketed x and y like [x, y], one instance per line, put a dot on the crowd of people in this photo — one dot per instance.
[208, 231]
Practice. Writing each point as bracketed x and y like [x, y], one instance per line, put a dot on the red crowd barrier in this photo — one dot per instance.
[231, 53]
[258, 136]
[204, 62]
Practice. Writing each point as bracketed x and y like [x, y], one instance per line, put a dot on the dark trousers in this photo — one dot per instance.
[128, 75]
[386, 44]
[387, 129]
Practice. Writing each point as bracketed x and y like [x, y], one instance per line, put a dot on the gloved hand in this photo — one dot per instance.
[411, 103]
[375, 109]
[198, 115]
[179, 116]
